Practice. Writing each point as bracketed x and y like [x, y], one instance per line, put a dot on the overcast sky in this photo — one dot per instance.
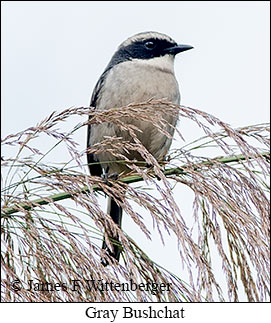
[54, 52]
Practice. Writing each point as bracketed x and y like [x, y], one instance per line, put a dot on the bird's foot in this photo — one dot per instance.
[106, 176]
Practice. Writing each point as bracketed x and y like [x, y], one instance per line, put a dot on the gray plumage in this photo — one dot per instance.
[141, 69]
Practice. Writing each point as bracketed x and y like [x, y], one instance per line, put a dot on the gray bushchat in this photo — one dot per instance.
[141, 69]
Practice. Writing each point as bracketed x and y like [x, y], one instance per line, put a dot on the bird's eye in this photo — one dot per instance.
[149, 44]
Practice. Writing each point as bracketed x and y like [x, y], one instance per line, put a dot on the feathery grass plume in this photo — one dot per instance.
[53, 220]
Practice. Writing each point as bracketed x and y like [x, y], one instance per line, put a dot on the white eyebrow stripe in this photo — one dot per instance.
[145, 35]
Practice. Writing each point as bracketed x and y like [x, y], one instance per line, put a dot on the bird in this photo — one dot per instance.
[142, 68]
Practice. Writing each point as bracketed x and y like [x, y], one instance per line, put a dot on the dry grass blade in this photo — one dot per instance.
[50, 241]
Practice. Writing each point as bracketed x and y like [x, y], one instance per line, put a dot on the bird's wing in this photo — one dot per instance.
[93, 162]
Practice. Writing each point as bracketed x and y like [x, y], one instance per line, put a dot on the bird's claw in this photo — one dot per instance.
[105, 176]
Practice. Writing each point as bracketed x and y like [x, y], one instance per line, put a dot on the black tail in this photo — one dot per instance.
[115, 212]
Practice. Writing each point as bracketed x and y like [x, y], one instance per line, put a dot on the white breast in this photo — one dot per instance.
[137, 81]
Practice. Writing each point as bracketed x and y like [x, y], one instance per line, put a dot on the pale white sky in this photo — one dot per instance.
[54, 52]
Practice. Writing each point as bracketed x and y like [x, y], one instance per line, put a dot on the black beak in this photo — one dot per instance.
[177, 49]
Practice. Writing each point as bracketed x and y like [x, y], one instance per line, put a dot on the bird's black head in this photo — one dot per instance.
[146, 45]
